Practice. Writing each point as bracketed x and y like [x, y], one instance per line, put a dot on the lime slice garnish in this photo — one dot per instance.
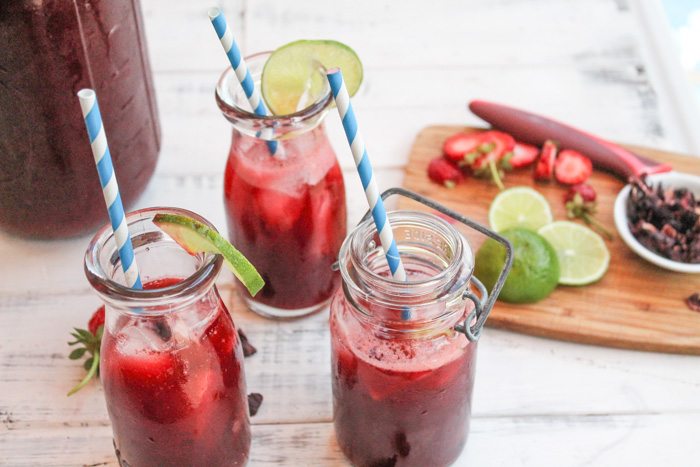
[291, 78]
[196, 237]
[583, 256]
[519, 207]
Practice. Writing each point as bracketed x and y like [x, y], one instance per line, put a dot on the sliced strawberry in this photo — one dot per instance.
[457, 146]
[444, 172]
[494, 147]
[544, 170]
[522, 155]
[572, 167]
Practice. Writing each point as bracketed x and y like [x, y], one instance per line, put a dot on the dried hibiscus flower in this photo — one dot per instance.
[248, 348]
[693, 302]
[665, 220]
[255, 400]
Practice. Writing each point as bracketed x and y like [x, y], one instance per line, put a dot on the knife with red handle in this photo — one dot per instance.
[534, 129]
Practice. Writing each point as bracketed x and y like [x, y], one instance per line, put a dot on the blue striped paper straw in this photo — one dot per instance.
[105, 169]
[234, 56]
[364, 168]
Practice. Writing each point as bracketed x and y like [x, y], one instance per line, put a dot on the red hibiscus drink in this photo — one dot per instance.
[171, 361]
[285, 208]
[402, 375]
[50, 50]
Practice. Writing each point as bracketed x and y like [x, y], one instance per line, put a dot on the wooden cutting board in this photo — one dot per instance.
[636, 305]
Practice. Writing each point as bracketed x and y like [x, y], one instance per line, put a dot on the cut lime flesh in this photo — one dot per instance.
[293, 75]
[519, 207]
[196, 237]
[583, 256]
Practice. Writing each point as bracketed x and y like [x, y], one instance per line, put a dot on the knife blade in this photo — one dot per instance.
[535, 129]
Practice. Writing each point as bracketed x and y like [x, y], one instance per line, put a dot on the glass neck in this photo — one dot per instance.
[439, 263]
[235, 107]
[158, 257]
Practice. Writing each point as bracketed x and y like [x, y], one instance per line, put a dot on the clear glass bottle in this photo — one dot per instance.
[49, 50]
[171, 361]
[402, 375]
[286, 212]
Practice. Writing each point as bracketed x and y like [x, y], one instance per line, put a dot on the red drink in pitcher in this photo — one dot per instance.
[49, 50]
[285, 210]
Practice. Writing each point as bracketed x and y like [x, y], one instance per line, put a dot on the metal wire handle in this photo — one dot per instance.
[481, 309]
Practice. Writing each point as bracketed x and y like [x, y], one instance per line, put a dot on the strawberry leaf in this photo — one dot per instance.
[89, 344]
[77, 353]
[85, 334]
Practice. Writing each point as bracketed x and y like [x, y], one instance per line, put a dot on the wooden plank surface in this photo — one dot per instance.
[532, 441]
[636, 305]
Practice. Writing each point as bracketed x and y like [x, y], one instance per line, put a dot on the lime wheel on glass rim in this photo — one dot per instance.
[290, 80]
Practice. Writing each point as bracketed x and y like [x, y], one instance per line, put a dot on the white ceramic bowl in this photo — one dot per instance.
[676, 180]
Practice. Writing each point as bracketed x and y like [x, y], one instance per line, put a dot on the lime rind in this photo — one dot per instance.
[535, 270]
[295, 71]
[196, 237]
[519, 207]
[583, 256]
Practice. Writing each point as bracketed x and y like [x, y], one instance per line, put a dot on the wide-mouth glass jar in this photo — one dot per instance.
[402, 372]
[171, 362]
[285, 206]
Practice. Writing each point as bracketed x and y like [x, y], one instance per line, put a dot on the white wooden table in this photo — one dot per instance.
[592, 63]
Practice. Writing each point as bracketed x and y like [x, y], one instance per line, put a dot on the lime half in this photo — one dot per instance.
[583, 256]
[535, 271]
[519, 207]
[291, 79]
[196, 237]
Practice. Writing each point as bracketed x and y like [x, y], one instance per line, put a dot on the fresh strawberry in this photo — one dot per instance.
[572, 167]
[90, 340]
[584, 189]
[544, 170]
[522, 155]
[457, 146]
[97, 320]
[444, 172]
[494, 147]
[580, 203]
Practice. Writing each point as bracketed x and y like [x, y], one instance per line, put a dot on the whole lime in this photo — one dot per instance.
[535, 271]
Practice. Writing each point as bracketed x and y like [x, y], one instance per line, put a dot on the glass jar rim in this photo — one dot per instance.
[403, 308]
[352, 246]
[207, 271]
[227, 102]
